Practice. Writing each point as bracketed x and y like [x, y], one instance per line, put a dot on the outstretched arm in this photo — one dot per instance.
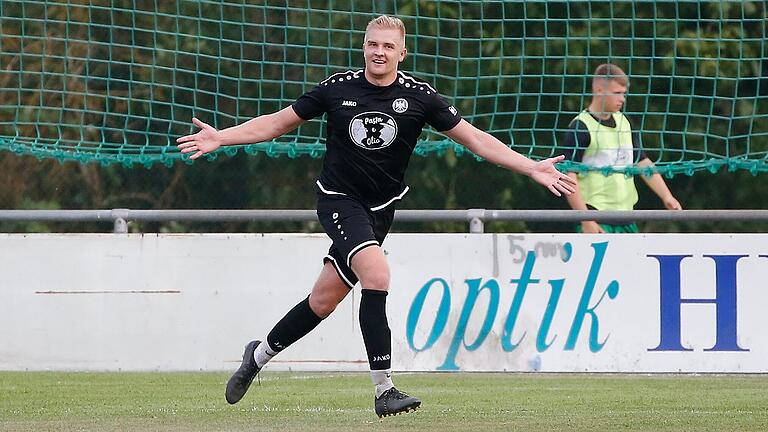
[659, 187]
[491, 149]
[262, 128]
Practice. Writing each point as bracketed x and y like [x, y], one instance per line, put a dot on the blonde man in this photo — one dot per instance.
[374, 118]
[602, 136]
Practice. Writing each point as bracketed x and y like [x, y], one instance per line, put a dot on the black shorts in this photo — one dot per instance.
[352, 227]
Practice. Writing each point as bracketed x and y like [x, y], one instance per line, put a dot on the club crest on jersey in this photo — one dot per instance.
[400, 105]
[372, 130]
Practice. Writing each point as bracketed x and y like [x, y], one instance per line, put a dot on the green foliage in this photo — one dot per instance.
[117, 83]
[248, 182]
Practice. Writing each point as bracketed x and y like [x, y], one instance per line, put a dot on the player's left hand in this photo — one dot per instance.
[545, 173]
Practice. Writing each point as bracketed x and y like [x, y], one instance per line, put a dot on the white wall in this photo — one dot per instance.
[191, 301]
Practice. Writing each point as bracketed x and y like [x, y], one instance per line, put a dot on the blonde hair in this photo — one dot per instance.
[610, 72]
[387, 22]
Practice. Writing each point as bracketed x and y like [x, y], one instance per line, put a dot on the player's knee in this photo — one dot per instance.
[321, 305]
[376, 280]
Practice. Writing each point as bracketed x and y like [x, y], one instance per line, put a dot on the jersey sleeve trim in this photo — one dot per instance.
[303, 116]
[458, 120]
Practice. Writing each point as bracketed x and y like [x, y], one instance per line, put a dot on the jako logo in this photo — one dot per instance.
[349, 103]
[381, 358]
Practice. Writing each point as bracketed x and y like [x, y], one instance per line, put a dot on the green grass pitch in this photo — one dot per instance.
[56, 401]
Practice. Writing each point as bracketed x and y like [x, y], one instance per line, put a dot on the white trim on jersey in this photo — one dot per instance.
[357, 249]
[415, 81]
[399, 197]
[355, 74]
[326, 191]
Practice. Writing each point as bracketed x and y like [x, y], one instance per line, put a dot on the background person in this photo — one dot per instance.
[601, 136]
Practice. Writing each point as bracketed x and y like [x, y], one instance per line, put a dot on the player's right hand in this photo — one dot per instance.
[204, 141]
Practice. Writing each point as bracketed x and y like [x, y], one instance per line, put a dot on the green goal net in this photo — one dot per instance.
[116, 81]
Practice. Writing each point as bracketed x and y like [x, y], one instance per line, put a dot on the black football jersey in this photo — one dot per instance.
[371, 132]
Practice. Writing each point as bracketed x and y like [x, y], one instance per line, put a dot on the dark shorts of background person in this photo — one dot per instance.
[630, 228]
[352, 227]
[624, 227]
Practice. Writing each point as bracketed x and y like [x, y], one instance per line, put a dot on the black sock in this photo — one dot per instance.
[375, 328]
[293, 326]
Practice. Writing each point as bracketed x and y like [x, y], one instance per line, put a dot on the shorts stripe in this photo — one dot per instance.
[357, 248]
[339, 272]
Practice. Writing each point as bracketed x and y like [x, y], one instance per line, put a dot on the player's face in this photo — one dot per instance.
[383, 50]
[612, 95]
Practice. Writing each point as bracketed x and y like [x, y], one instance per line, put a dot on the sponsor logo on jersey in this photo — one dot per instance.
[400, 105]
[373, 130]
[349, 103]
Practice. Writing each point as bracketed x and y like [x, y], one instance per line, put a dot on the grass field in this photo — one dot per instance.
[51, 401]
